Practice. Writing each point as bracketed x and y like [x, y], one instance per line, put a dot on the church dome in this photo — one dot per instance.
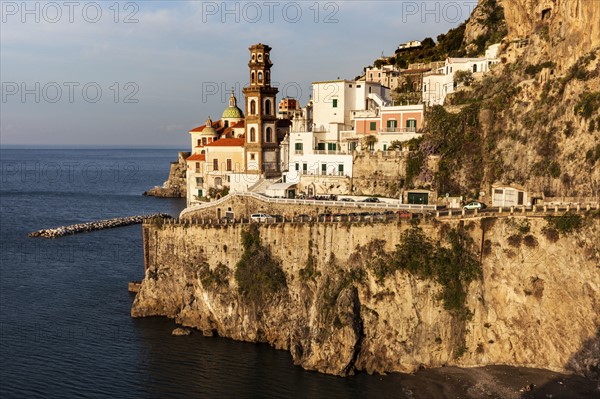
[209, 129]
[232, 112]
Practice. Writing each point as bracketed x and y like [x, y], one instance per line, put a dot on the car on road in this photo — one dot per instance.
[302, 218]
[371, 199]
[261, 218]
[346, 199]
[474, 205]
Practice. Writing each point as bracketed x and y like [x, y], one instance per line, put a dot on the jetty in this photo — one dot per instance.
[93, 226]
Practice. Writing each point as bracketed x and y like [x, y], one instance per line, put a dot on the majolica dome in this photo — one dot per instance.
[232, 112]
[209, 129]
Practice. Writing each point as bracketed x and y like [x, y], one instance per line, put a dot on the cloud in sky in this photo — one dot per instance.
[136, 73]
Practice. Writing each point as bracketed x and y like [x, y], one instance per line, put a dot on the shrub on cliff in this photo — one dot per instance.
[565, 223]
[259, 276]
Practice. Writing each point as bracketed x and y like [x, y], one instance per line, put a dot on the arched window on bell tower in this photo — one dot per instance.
[267, 107]
[267, 77]
[252, 77]
[252, 107]
[269, 135]
[260, 77]
[252, 135]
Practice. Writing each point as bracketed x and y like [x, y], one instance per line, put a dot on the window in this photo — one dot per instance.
[359, 86]
[411, 124]
[269, 135]
[350, 86]
[253, 107]
[352, 145]
[267, 77]
[304, 168]
[229, 166]
[260, 56]
[379, 75]
[392, 123]
[297, 166]
[252, 134]
[335, 103]
[385, 147]
[341, 169]
[260, 77]
[373, 126]
[299, 147]
[323, 168]
[252, 157]
[203, 140]
[199, 142]
[331, 146]
[197, 166]
[424, 88]
[267, 107]
[215, 164]
[218, 181]
[474, 68]
[226, 124]
[252, 77]
[199, 181]
[321, 146]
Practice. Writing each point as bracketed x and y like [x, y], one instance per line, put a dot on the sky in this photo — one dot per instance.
[143, 73]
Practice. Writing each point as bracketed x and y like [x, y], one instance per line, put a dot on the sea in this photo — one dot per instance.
[65, 324]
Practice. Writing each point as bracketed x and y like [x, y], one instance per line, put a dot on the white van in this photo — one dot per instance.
[261, 217]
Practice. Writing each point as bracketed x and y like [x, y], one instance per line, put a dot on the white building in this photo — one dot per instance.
[341, 115]
[439, 83]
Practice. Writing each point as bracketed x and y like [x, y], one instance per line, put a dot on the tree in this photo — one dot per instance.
[464, 77]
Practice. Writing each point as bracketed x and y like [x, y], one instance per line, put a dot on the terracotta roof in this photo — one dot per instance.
[228, 142]
[196, 157]
[215, 124]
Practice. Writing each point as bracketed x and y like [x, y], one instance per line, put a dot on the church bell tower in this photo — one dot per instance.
[261, 147]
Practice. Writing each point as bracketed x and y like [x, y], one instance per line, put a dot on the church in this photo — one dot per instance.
[238, 152]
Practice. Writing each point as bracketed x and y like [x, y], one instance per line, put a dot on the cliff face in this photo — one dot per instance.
[572, 25]
[334, 297]
[538, 119]
[175, 186]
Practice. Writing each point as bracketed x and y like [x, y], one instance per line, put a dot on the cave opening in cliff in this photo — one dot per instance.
[546, 14]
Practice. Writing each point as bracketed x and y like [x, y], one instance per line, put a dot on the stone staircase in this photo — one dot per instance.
[261, 186]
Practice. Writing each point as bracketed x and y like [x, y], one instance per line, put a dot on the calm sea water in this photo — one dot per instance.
[65, 327]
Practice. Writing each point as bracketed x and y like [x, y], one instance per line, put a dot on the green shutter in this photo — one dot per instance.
[373, 125]
[335, 103]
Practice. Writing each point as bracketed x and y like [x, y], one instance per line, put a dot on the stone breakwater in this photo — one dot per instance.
[93, 226]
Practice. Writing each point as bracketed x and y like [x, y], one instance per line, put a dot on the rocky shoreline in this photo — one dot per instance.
[175, 185]
[93, 226]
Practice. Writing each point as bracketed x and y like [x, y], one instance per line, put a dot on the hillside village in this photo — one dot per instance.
[438, 123]
[312, 151]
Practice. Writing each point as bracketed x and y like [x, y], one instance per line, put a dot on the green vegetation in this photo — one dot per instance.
[535, 69]
[219, 277]
[453, 266]
[457, 139]
[593, 155]
[309, 272]
[259, 276]
[464, 77]
[566, 223]
[588, 105]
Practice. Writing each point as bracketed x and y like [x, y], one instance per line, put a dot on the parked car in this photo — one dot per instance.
[474, 205]
[302, 218]
[261, 218]
[404, 214]
[347, 199]
[371, 199]
[324, 217]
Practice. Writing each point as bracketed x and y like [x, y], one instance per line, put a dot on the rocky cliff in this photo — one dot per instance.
[175, 185]
[386, 296]
[534, 120]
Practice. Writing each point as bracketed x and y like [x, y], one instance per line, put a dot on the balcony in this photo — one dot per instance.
[329, 152]
[398, 130]
[299, 152]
